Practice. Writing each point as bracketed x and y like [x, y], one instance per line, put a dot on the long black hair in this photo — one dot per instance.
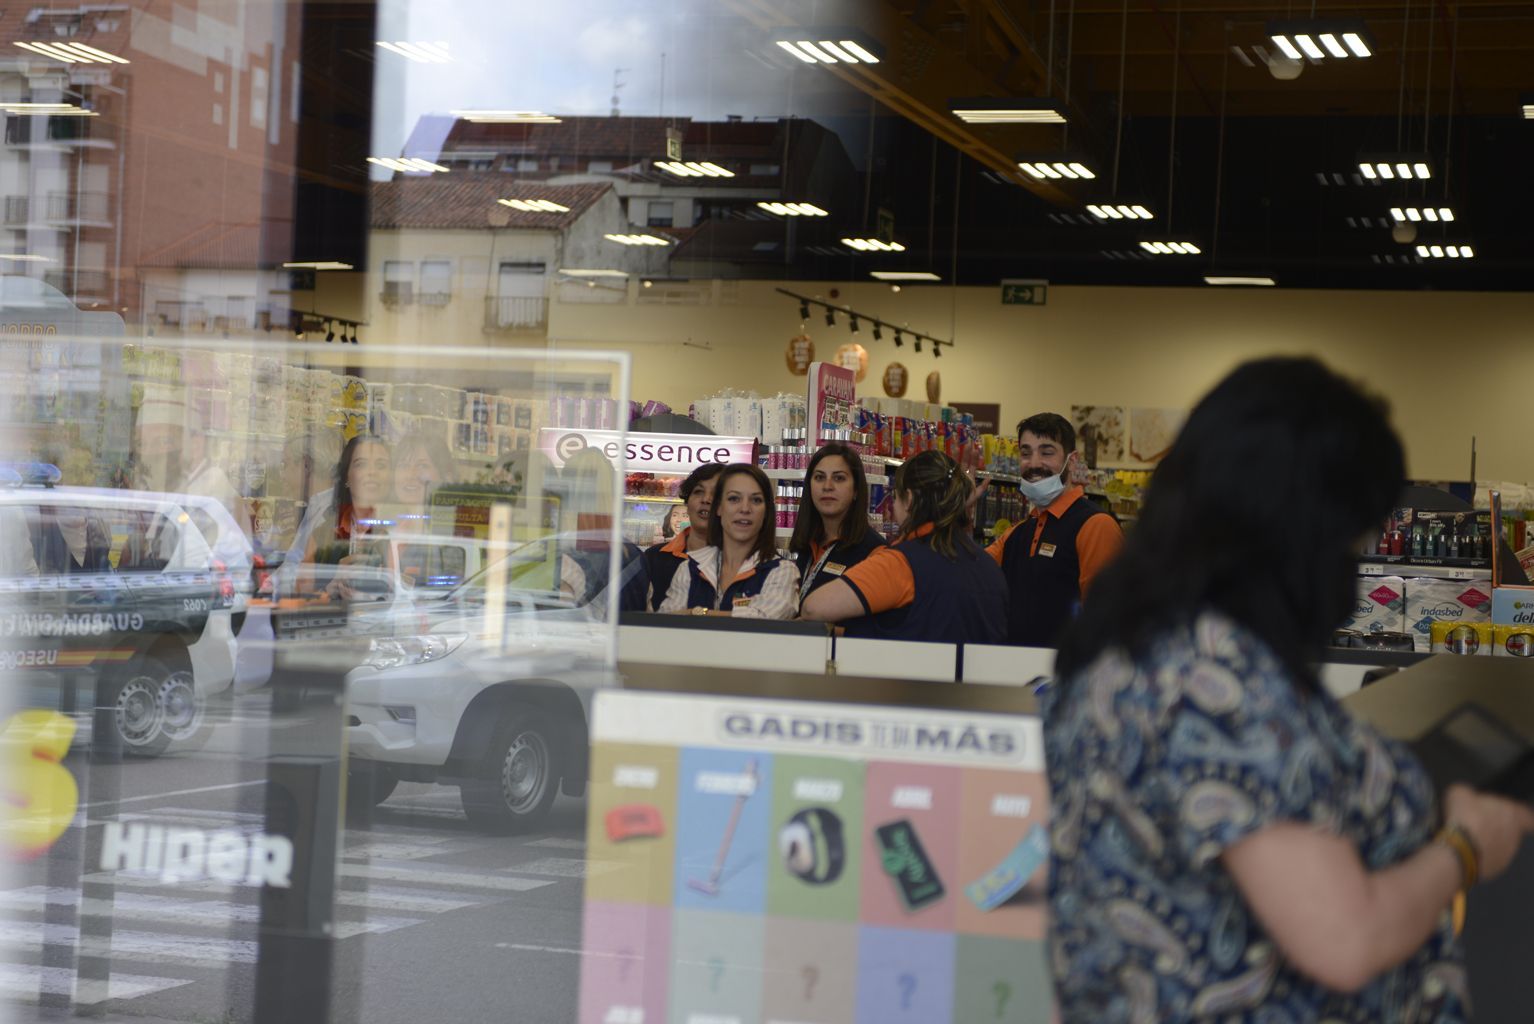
[1255, 513]
[809, 528]
[938, 493]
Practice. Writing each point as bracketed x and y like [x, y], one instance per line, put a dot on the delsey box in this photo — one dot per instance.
[1433, 600]
[1379, 605]
[1512, 606]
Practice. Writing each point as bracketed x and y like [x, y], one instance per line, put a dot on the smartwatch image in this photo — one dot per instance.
[812, 846]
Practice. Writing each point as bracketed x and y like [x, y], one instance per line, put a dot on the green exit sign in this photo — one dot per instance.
[1024, 293]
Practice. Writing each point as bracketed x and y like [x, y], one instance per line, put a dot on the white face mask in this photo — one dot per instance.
[1042, 493]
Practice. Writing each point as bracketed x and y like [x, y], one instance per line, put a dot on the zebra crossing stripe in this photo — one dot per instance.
[175, 909]
[27, 980]
[559, 843]
[143, 947]
[422, 874]
[565, 867]
[401, 899]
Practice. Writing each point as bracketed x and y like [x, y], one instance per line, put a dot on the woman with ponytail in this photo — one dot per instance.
[934, 582]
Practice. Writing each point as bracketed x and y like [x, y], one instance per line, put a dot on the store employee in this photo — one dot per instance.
[832, 533]
[661, 561]
[1051, 558]
[933, 583]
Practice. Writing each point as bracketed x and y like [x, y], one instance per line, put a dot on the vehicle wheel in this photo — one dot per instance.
[520, 780]
[184, 713]
[137, 716]
[368, 784]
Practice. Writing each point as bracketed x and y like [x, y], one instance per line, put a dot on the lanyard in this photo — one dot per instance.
[809, 578]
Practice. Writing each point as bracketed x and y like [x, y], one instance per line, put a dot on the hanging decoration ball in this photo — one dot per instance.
[1404, 232]
[896, 379]
[1285, 69]
[799, 354]
[853, 357]
[935, 388]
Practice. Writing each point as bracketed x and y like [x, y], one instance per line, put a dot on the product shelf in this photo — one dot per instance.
[1439, 572]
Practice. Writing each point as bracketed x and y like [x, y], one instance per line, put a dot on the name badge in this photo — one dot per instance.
[1047, 550]
[740, 602]
[834, 569]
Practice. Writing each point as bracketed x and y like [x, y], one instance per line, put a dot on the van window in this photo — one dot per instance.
[432, 565]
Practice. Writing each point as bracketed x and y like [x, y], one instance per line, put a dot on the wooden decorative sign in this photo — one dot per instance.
[799, 354]
[896, 379]
[853, 357]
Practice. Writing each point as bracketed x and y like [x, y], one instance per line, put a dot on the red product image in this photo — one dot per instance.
[634, 821]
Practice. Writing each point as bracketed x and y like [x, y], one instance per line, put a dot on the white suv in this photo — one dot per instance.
[155, 608]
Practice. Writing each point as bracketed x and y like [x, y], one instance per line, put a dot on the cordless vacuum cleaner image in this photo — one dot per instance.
[710, 886]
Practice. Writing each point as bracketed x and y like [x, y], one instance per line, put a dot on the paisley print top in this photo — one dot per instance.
[1157, 767]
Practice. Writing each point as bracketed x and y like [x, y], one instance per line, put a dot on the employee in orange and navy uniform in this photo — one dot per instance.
[1051, 558]
[662, 560]
[832, 533]
[934, 582]
[739, 573]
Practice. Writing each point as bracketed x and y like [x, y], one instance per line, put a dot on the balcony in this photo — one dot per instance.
[78, 282]
[81, 208]
[18, 209]
[515, 312]
[434, 298]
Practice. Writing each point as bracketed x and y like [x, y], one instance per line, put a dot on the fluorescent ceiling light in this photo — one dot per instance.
[1319, 39]
[408, 165]
[505, 116]
[637, 239]
[317, 265]
[904, 275]
[1250, 282]
[25, 257]
[1431, 214]
[1171, 248]
[1528, 108]
[45, 110]
[794, 209]
[1055, 169]
[1389, 167]
[829, 46]
[421, 53]
[991, 110]
[583, 272]
[872, 245]
[1452, 252]
[74, 53]
[1120, 211]
[534, 205]
[694, 169]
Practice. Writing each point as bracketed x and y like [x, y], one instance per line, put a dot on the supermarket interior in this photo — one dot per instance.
[765, 511]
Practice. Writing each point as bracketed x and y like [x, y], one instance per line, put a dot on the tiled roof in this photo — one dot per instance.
[622, 138]
[459, 200]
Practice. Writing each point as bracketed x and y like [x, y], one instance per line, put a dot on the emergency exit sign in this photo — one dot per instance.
[1024, 293]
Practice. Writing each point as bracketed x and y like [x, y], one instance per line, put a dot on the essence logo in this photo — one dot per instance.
[39, 796]
[568, 446]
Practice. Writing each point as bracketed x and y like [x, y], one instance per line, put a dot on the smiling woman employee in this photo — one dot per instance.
[832, 533]
[739, 573]
[934, 583]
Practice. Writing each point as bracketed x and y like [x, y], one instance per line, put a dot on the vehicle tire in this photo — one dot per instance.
[184, 712]
[368, 784]
[137, 716]
[520, 777]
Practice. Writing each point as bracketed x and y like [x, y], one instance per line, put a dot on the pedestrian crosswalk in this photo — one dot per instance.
[165, 937]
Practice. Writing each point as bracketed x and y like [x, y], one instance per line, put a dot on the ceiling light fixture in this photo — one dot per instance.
[1528, 108]
[693, 169]
[1248, 282]
[408, 165]
[1171, 248]
[853, 325]
[1431, 214]
[45, 110]
[804, 309]
[992, 110]
[505, 116]
[1120, 211]
[899, 342]
[878, 334]
[829, 46]
[586, 272]
[937, 350]
[421, 53]
[637, 239]
[317, 265]
[1074, 170]
[1318, 39]
[74, 53]
[1453, 252]
[793, 209]
[1388, 167]
[534, 205]
[904, 275]
[25, 257]
[830, 317]
[918, 344]
[872, 245]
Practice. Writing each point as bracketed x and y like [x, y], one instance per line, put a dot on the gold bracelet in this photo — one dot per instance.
[1458, 840]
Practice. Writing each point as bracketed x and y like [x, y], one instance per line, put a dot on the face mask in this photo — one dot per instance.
[1042, 493]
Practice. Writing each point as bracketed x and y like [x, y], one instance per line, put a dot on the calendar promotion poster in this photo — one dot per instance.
[787, 862]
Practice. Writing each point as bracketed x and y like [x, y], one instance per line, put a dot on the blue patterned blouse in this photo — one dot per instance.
[1156, 768]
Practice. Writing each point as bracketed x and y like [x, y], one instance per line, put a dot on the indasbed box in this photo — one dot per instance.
[1379, 605]
[1430, 601]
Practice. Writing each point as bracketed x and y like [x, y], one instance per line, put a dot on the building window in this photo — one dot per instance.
[766, 170]
[661, 213]
[399, 282]
[519, 300]
[436, 282]
[599, 167]
[527, 165]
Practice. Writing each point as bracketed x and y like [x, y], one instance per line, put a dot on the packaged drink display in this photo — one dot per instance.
[1463, 638]
[1513, 641]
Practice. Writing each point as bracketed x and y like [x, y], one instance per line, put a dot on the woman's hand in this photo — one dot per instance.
[1495, 824]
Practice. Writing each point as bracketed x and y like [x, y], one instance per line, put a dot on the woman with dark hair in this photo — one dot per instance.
[355, 533]
[661, 561]
[422, 463]
[934, 582]
[739, 573]
[1240, 843]
[832, 533]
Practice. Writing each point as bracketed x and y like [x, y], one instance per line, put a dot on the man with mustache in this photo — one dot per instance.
[1051, 557]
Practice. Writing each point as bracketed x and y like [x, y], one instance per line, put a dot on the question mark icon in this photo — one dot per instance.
[625, 963]
[1003, 993]
[716, 967]
[811, 978]
[907, 989]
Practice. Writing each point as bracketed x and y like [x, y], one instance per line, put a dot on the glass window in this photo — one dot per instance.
[660, 213]
[436, 281]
